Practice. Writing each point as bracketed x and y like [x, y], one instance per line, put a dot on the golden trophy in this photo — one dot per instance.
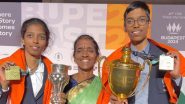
[124, 74]
[59, 78]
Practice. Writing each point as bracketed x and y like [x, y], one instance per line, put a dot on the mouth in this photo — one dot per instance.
[85, 60]
[35, 48]
[136, 32]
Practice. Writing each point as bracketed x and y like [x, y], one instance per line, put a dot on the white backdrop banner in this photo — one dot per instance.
[66, 22]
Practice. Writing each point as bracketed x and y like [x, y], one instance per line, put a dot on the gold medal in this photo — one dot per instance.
[13, 73]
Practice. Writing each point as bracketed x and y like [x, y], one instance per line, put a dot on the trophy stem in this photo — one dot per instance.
[122, 97]
[56, 88]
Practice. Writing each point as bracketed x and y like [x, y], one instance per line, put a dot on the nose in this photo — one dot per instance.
[85, 53]
[36, 40]
[136, 23]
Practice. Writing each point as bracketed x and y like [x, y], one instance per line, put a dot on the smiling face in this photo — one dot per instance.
[34, 40]
[138, 31]
[85, 54]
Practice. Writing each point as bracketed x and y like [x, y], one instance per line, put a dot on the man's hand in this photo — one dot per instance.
[115, 100]
[176, 72]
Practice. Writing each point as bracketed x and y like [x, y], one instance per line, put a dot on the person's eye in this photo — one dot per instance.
[78, 51]
[90, 50]
[142, 19]
[43, 37]
[130, 21]
[29, 35]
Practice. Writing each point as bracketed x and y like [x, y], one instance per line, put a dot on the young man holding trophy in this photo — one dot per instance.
[166, 64]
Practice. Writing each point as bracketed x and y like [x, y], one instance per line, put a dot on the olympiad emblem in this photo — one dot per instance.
[58, 56]
[173, 28]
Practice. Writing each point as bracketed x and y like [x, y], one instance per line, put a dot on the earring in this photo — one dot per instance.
[22, 44]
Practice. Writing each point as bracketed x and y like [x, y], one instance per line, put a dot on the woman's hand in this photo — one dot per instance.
[5, 66]
[63, 97]
[175, 73]
[115, 100]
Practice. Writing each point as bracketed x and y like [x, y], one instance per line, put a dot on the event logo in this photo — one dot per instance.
[173, 36]
[173, 28]
[58, 56]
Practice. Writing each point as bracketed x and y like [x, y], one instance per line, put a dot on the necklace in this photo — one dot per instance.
[32, 70]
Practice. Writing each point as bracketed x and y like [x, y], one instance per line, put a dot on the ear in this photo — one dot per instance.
[74, 59]
[124, 27]
[22, 42]
[149, 24]
[97, 58]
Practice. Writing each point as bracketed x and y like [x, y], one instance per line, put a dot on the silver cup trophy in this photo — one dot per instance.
[59, 78]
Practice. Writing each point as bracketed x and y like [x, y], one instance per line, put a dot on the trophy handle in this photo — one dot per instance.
[148, 75]
[99, 72]
[147, 61]
[99, 63]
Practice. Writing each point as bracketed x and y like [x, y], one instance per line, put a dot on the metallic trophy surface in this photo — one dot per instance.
[124, 74]
[59, 78]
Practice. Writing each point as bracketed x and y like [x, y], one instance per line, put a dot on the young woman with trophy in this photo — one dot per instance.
[137, 87]
[24, 74]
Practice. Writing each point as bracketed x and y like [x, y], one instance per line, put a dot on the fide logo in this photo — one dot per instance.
[58, 56]
[173, 28]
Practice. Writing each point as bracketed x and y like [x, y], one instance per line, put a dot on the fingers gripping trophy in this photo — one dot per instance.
[59, 78]
[124, 74]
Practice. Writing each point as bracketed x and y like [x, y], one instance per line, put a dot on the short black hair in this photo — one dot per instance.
[137, 4]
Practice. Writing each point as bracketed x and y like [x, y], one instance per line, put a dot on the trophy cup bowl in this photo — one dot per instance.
[123, 79]
[124, 74]
[59, 79]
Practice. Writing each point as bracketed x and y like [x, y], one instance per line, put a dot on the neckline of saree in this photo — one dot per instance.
[74, 91]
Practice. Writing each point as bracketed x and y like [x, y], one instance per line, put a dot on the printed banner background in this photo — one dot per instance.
[68, 20]
[10, 22]
[169, 25]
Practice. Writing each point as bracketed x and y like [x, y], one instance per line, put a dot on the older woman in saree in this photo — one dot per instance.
[84, 86]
